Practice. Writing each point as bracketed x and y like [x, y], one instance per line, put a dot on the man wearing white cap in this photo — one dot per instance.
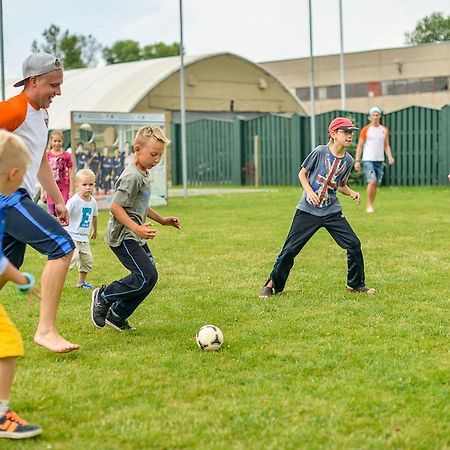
[372, 145]
[27, 223]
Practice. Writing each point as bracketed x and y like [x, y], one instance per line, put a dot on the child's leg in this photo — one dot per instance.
[84, 263]
[65, 192]
[345, 237]
[126, 294]
[303, 227]
[51, 208]
[7, 372]
[11, 425]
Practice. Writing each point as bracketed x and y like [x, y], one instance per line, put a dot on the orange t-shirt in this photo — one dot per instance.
[22, 117]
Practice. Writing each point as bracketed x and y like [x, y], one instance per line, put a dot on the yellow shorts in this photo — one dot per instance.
[11, 343]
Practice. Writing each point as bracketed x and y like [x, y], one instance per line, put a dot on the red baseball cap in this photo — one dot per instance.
[341, 123]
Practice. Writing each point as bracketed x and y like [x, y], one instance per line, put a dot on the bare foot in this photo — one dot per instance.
[54, 342]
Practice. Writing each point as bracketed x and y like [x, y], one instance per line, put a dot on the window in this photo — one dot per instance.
[356, 90]
[427, 85]
[400, 87]
[333, 91]
[441, 84]
[413, 86]
[303, 94]
[387, 88]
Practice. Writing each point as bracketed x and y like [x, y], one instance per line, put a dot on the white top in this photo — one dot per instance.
[81, 215]
[374, 141]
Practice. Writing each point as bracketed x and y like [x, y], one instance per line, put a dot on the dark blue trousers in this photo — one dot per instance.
[126, 294]
[303, 227]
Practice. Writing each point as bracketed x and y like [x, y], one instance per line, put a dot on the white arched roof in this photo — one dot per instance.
[115, 87]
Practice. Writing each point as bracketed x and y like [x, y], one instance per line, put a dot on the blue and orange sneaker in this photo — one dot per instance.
[13, 427]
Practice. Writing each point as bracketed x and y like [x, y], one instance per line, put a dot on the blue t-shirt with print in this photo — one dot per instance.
[326, 172]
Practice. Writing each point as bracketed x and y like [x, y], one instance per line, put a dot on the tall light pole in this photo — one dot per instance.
[312, 76]
[183, 108]
[2, 53]
[343, 95]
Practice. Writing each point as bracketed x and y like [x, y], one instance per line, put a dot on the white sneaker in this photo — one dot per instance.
[370, 209]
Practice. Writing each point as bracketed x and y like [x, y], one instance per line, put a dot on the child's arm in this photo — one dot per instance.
[344, 189]
[94, 228]
[311, 197]
[169, 220]
[42, 195]
[143, 231]
[71, 186]
[21, 280]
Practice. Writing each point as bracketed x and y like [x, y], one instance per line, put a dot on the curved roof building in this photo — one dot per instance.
[219, 83]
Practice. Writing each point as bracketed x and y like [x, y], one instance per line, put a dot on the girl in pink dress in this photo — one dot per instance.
[61, 164]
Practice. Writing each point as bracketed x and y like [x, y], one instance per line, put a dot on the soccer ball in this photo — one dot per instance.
[209, 338]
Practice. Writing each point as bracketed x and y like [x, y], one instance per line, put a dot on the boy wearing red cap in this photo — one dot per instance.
[324, 172]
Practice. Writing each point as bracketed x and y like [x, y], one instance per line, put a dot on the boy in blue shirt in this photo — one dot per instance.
[324, 172]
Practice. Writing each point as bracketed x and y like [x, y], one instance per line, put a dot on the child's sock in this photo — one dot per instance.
[4, 406]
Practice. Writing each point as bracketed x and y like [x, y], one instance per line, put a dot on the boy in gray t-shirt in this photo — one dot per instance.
[127, 234]
[324, 172]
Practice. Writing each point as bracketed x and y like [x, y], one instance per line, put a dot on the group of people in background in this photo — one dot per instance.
[106, 166]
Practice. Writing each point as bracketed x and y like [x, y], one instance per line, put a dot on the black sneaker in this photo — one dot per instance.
[98, 308]
[114, 321]
[14, 427]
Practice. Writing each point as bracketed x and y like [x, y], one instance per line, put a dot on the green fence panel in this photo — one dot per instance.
[223, 151]
[276, 150]
[414, 137]
[444, 145]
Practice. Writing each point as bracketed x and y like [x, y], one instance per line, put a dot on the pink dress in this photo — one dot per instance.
[60, 165]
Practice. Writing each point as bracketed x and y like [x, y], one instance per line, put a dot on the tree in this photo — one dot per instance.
[128, 50]
[160, 50]
[122, 51]
[434, 28]
[74, 50]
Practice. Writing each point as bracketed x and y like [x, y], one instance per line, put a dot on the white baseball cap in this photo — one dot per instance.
[38, 64]
[375, 109]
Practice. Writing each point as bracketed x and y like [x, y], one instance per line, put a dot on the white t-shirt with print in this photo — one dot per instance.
[81, 214]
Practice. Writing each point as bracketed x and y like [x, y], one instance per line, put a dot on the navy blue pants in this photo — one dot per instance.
[126, 294]
[303, 227]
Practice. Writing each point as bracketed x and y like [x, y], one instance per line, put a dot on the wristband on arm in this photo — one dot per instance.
[25, 288]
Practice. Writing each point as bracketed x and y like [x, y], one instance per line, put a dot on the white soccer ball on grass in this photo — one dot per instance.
[209, 338]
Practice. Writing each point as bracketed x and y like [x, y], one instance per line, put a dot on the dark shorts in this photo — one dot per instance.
[27, 223]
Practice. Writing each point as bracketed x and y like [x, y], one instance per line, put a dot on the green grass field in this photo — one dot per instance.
[314, 368]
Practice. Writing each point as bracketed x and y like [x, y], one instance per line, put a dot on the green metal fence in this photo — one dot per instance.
[223, 151]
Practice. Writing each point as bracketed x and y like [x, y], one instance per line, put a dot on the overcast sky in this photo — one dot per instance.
[260, 30]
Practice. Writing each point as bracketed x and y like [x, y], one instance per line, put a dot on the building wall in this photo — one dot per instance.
[378, 72]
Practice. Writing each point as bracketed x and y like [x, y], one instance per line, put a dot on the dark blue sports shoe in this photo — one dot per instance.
[99, 309]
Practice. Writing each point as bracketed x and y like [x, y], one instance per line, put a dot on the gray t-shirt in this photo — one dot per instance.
[133, 194]
[326, 172]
